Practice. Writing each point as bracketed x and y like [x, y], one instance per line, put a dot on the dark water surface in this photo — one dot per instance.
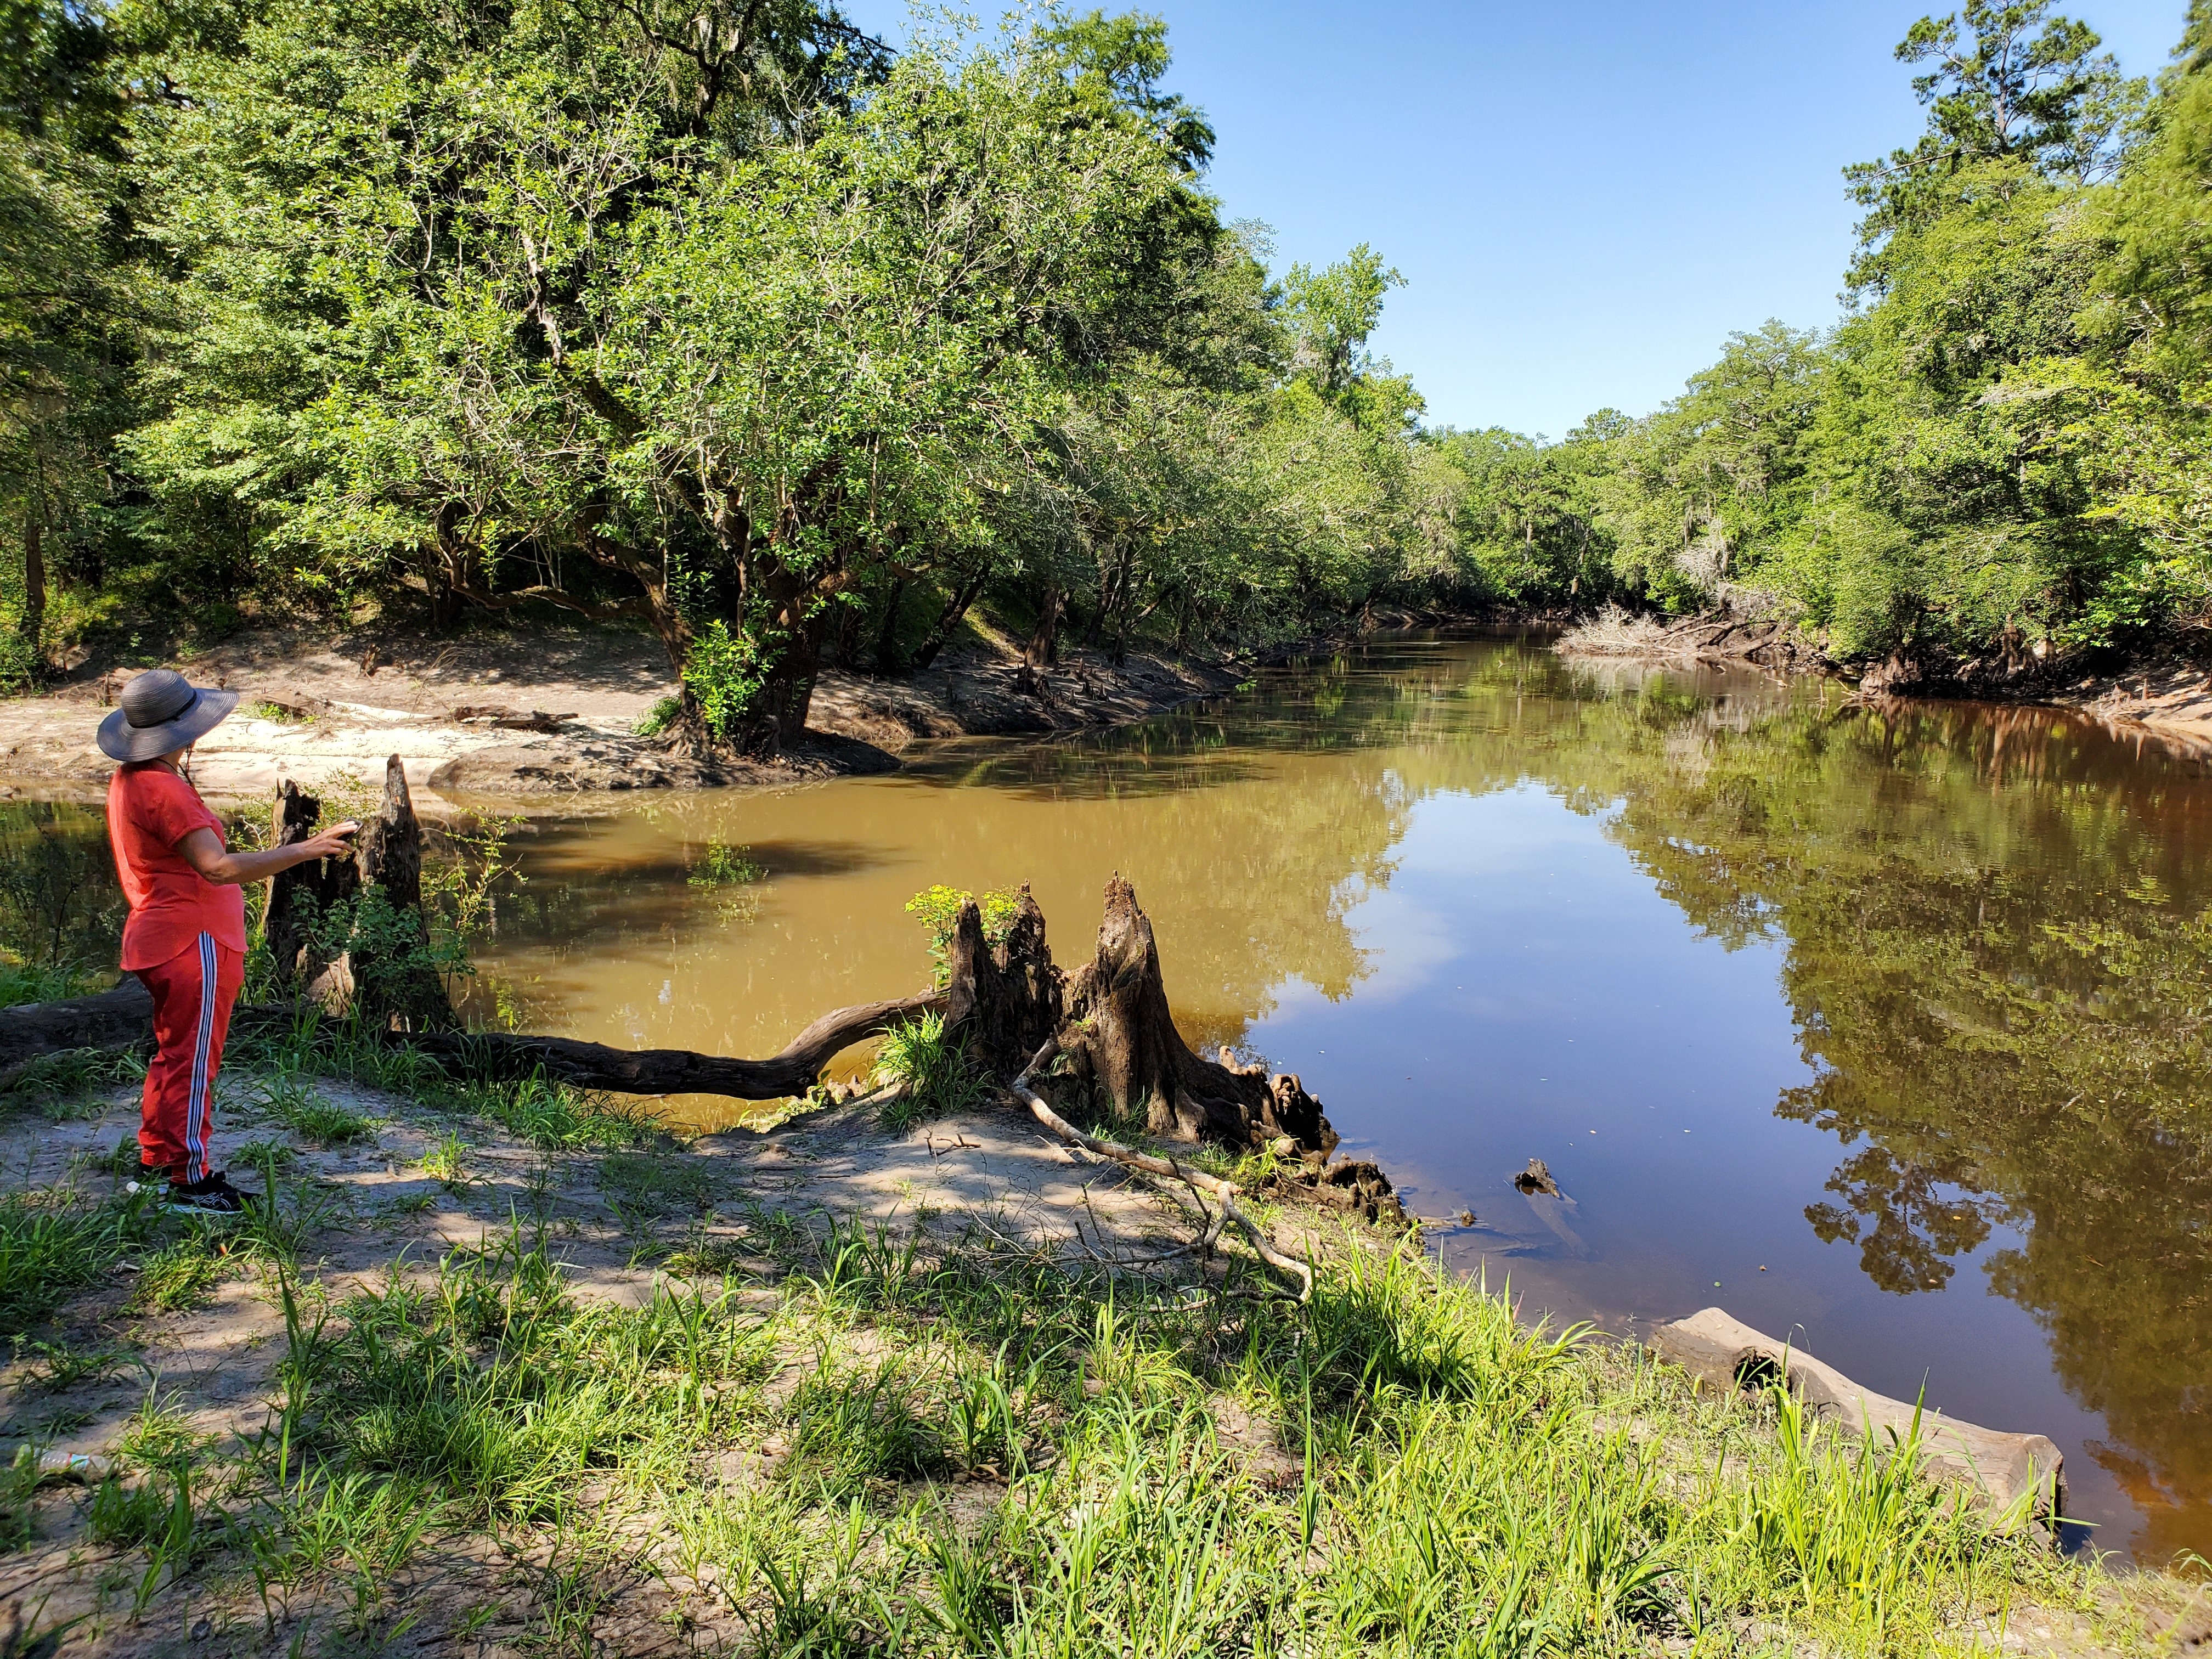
[1885, 1029]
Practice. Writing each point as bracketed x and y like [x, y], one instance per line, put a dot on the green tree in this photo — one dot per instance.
[67, 301]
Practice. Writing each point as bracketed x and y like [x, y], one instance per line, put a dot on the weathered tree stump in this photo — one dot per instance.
[300, 896]
[1004, 998]
[385, 975]
[1121, 1037]
[394, 982]
[1116, 1033]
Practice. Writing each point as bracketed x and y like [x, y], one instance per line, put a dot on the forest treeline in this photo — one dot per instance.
[736, 321]
[2002, 444]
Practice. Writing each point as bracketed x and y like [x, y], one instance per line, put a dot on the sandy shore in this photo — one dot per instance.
[556, 712]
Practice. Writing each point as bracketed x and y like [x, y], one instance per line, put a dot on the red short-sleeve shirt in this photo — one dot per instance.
[149, 810]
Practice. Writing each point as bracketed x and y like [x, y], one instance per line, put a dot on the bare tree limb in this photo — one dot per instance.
[1170, 1168]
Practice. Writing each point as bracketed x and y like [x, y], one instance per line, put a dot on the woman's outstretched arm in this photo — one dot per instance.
[203, 850]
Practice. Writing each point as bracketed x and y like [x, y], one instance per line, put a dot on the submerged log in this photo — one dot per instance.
[2020, 1477]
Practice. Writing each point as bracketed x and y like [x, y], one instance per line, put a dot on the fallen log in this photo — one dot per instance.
[2019, 1477]
[792, 1071]
[124, 1016]
[108, 1019]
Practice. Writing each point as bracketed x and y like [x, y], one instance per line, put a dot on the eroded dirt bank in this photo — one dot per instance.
[557, 711]
[2170, 699]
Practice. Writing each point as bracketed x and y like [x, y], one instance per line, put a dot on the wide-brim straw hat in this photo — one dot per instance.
[160, 712]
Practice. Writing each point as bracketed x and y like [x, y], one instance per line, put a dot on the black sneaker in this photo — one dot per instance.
[213, 1196]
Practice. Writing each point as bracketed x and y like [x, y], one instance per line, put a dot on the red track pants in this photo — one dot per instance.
[193, 991]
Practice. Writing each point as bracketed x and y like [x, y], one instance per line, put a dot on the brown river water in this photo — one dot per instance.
[1883, 1028]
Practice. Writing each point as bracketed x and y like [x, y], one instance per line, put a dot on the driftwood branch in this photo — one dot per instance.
[2017, 1477]
[119, 1018]
[793, 1071]
[1170, 1168]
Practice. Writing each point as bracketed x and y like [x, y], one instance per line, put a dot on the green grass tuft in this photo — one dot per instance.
[51, 1248]
[297, 1104]
[935, 1069]
[22, 982]
[554, 1117]
[178, 1276]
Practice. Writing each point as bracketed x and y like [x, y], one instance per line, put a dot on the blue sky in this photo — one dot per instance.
[1585, 199]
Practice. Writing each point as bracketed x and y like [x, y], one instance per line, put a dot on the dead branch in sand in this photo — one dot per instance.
[1161, 1167]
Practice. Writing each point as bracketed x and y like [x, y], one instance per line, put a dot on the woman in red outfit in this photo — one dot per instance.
[185, 939]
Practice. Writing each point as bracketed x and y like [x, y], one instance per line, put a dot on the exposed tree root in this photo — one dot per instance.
[1163, 1169]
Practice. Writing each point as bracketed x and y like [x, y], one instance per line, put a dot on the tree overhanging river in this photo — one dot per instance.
[1885, 1027]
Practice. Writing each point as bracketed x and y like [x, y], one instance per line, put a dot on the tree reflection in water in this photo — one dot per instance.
[1996, 924]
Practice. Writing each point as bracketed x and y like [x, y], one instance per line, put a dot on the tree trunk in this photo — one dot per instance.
[778, 717]
[1043, 647]
[948, 619]
[887, 659]
[395, 986]
[31, 625]
[1004, 1000]
[302, 895]
[1125, 588]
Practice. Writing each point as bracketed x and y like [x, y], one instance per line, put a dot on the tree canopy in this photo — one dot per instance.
[797, 349]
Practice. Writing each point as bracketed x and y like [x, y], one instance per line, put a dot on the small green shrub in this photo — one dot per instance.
[654, 1184]
[266, 1155]
[938, 908]
[725, 671]
[659, 718]
[724, 865]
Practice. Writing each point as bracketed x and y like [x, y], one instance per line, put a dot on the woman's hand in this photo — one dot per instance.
[330, 844]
